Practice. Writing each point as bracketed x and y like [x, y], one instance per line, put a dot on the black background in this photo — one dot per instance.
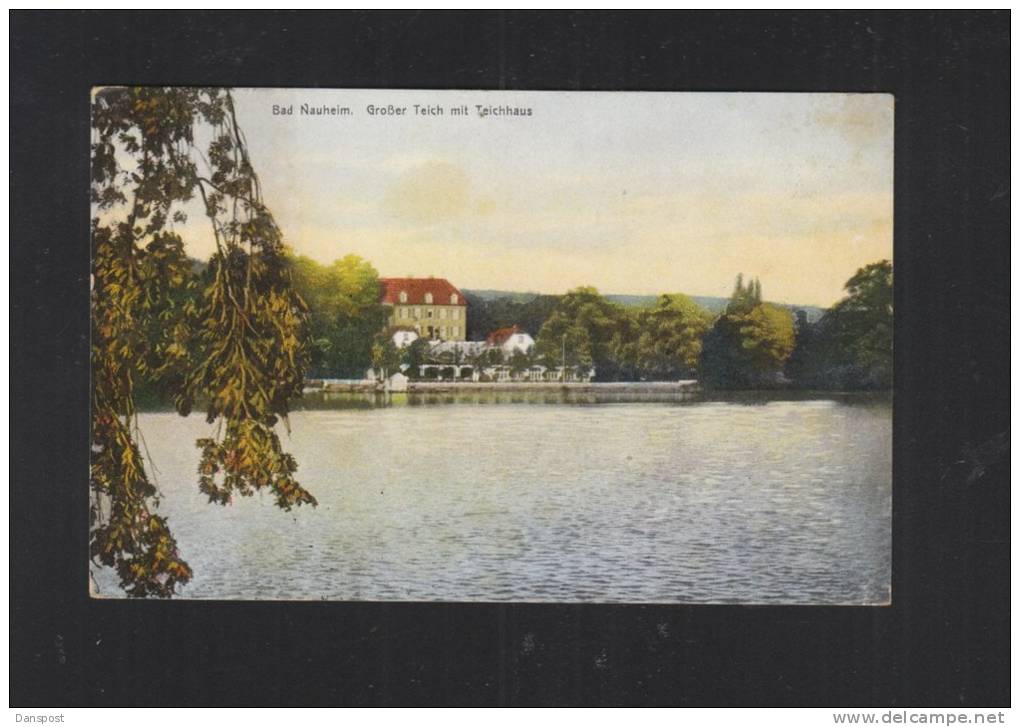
[945, 639]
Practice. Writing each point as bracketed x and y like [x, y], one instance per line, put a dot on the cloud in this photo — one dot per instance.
[863, 119]
[429, 193]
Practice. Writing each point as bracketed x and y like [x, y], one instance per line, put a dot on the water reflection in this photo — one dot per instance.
[313, 401]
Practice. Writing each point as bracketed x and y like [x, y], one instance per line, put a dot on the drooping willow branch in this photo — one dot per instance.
[232, 340]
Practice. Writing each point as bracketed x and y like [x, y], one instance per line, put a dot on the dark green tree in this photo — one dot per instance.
[414, 356]
[749, 344]
[591, 331]
[851, 347]
[519, 362]
[491, 357]
[485, 316]
[744, 298]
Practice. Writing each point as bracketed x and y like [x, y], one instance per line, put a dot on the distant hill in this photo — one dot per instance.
[709, 303]
[487, 294]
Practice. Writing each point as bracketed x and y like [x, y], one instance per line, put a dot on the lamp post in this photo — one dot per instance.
[563, 360]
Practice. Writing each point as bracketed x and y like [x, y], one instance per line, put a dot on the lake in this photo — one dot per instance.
[551, 497]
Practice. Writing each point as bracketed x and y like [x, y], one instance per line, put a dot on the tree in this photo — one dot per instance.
[344, 311]
[670, 337]
[519, 362]
[749, 343]
[767, 337]
[415, 355]
[485, 316]
[239, 346]
[862, 322]
[385, 357]
[590, 330]
[561, 343]
[744, 299]
[851, 346]
[491, 357]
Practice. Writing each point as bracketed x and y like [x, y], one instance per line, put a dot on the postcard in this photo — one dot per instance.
[478, 346]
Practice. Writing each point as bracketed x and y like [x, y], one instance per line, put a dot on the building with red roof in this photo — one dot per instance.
[510, 338]
[433, 307]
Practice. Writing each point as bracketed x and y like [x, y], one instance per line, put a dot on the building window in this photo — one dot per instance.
[442, 312]
[428, 313]
[456, 331]
[456, 313]
[403, 296]
[417, 312]
[453, 299]
[428, 297]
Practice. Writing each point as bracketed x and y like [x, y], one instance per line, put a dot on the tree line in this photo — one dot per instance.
[751, 344]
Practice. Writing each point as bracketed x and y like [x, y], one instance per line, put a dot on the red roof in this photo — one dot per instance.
[501, 335]
[416, 288]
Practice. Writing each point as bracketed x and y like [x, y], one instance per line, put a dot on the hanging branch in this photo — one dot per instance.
[238, 346]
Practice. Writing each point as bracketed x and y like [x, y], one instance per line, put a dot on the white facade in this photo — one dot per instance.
[402, 339]
[461, 348]
[519, 341]
[466, 360]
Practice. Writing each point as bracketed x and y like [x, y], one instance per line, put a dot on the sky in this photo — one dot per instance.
[633, 193]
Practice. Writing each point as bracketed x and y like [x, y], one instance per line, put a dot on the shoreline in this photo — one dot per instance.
[418, 387]
[689, 386]
[659, 387]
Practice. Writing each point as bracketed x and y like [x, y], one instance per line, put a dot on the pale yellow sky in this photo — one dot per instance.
[630, 192]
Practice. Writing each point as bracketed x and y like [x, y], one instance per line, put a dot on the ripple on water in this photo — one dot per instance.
[715, 502]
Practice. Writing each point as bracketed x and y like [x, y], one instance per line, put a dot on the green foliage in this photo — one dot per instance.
[386, 358]
[485, 316]
[669, 339]
[491, 357]
[744, 298]
[851, 346]
[344, 313]
[590, 331]
[767, 336]
[414, 356]
[658, 342]
[237, 346]
[863, 321]
[749, 344]
[519, 361]
[663, 341]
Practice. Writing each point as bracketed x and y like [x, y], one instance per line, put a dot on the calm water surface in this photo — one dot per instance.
[529, 498]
